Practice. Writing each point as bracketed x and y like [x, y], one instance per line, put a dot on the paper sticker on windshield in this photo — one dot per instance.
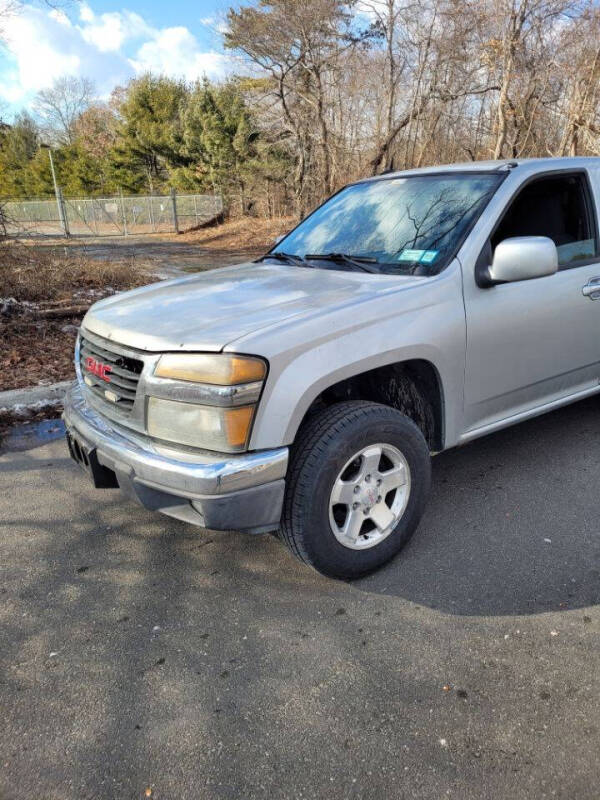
[429, 256]
[411, 255]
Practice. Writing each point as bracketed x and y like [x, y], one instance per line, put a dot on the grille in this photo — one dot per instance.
[120, 390]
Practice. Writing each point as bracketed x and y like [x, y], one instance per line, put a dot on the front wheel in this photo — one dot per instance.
[357, 487]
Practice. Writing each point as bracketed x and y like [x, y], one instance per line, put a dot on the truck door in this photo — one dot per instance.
[534, 342]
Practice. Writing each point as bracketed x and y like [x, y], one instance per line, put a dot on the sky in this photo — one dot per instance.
[109, 43]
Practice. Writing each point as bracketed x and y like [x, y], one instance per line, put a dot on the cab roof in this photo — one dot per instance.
[531, 164]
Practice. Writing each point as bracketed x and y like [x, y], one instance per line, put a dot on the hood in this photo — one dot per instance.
[209, 310]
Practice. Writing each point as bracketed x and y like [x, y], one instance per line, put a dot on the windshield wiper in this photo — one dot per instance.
[288, 258]
[360, 262]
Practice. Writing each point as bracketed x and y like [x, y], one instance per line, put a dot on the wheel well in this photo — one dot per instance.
[412, 387]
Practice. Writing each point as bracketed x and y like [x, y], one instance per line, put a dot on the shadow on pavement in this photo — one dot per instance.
[512, 525]
[138, 652]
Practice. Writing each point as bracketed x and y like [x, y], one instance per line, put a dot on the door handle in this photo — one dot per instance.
[592, 289]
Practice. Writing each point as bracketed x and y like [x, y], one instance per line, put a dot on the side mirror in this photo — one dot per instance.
[522, 258]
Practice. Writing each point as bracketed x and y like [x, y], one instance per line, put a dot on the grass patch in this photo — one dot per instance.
[241, 234]
[39, 276]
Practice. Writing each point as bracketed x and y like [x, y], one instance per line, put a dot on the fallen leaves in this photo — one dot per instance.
[43, 297]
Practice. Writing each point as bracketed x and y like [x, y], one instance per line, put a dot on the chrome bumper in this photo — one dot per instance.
[210, 489]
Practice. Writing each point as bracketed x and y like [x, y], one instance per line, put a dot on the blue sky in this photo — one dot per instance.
[109, 42]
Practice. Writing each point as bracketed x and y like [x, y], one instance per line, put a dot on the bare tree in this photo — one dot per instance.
[525, 59]
[302, 47]
[346, 88]
[387, 16]
[60, 106]
[431, 81]
[580, 66]
[439, 41]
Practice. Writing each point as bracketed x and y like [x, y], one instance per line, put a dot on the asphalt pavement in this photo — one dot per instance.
[141, 657]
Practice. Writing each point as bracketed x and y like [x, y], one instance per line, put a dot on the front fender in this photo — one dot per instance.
[427, 322]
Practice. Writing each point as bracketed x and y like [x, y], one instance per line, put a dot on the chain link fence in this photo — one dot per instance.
[110, 216]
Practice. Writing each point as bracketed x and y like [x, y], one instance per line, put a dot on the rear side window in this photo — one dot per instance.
[560, 207]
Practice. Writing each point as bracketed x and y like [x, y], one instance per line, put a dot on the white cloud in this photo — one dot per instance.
[60, 16]
[44, 44]
[10, 90]
[216, 24]
[85, 13]
[175, 51]
[109, 31]
[38, 42]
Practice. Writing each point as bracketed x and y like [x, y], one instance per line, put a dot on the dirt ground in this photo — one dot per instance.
[166, 255]
[48, 277]
[43, 296]
[37, 352]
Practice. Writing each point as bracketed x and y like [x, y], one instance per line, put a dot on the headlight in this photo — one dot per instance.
[207, 401]
[221, 368]
[209, 427]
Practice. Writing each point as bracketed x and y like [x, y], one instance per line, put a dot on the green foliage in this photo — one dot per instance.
[216, 131]
[226, 149]
[156, 133]
[39, 183]
[149, 142]
[18, 146]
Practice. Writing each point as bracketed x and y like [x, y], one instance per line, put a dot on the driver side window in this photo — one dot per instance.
[556, 206]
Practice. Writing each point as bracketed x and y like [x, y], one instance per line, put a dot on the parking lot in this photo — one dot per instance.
[143, 657]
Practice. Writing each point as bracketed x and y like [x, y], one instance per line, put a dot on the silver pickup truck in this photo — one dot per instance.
[305, 392]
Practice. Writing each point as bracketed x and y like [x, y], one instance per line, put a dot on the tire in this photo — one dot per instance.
[319, 463]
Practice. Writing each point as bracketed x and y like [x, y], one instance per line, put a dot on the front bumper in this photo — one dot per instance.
[217, 491]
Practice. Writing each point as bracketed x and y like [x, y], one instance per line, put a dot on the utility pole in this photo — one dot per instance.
[174, 204]
[123, 212]
[58, 193]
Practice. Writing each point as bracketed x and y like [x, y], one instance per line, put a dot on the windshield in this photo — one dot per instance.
[402, 225]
